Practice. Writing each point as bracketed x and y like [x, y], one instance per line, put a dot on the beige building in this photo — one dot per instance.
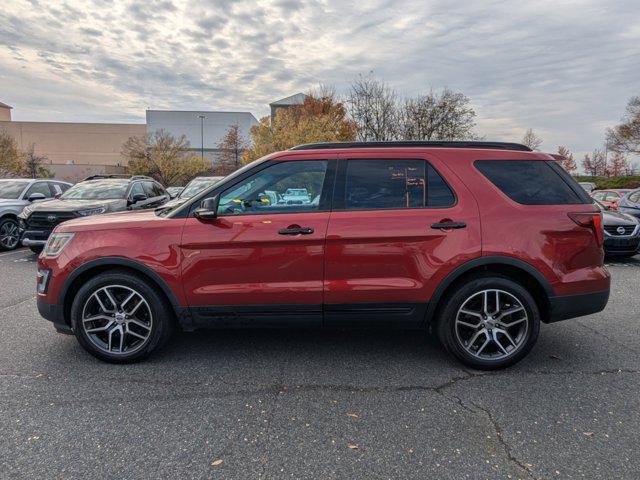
[74, 150]
[77, 150]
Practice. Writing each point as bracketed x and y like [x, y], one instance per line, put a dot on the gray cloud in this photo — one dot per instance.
[564, 69]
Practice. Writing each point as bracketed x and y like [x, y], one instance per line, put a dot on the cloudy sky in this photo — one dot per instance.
[564, 68]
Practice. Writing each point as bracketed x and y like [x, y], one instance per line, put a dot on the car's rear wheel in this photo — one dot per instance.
[9, 234]
[489, 322]
[120, 317]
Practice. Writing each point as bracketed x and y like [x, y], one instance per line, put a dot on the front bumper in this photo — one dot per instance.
[571, 306]
[54, 313]
[35, 238]
[621, 245]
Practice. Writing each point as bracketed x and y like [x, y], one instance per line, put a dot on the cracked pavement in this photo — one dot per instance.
[318, 404]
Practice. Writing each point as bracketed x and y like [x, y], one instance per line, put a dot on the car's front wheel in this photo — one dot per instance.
[120, 317]
[9, 234]
[489, 322]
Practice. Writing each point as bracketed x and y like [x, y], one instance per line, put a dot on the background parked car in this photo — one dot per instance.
[609, 198]
[96, 195]
[192, 188]
[630, 203]
[15, 195]
[174, 191]
[588, 186]
[621, 232]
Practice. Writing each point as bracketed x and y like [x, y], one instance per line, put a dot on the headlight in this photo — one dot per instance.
[93, 211]
[56, 242]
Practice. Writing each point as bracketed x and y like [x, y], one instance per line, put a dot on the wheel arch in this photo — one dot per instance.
[76, 279]
[518, 270]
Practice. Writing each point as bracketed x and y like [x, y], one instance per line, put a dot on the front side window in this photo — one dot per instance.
[136, 189]
[598, 196]
[531, 182]
[287, 187]
[97, 190]
[39, 187]
[394, 184]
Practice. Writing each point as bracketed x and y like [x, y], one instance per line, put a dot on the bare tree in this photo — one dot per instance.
[619, 165]
[33, 164]
[166, 158]
[444, 116]
[373, 106]
[625, 138]
[232, 145]
[531, 140]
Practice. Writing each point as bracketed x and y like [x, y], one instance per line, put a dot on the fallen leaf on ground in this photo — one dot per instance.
[215, 463]
[352, 415]
[352, 446]
[588, 434]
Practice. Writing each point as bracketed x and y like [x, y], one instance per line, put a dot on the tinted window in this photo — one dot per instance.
[598, 196]
[158, 190]
[149, 189]
[438, 192]
[286, 187]
[39, 187]
[394, 184]
[530, 182]
[136, 189]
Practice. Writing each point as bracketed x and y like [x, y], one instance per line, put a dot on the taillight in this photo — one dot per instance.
[590, 220]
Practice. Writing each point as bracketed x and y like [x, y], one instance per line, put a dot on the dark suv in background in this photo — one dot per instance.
[95, 195]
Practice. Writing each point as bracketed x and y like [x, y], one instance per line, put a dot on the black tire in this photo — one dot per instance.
[6, 225]
[37, 249]
[454, 301]
[161, 312]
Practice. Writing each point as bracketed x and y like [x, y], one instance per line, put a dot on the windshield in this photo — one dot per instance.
[12, 189]
[97, 190]
[195, 186]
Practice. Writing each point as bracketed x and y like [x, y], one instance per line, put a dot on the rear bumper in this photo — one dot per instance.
[54, 313]
[571, 306]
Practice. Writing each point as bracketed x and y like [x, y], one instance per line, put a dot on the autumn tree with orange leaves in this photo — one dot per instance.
[321, 118]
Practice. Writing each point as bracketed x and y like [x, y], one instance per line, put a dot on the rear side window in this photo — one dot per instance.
[532, 182]
[394, 184]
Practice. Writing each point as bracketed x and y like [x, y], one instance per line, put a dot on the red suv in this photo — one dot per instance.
[476, 241]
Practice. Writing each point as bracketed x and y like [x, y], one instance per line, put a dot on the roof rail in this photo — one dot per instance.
[117, 175]
[412, 143]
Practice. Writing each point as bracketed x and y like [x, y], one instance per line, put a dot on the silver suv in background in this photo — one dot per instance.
[15, 195]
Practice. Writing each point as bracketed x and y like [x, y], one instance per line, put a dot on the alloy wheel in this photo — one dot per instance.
[117, 319]
[491, 324]
[9, 235]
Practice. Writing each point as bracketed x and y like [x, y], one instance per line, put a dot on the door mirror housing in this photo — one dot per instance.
[36, 196]
[208, 209]
[138, 197]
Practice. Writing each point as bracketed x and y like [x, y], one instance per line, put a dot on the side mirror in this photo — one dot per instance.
[36, 196]
[138, 197]
[208, 209]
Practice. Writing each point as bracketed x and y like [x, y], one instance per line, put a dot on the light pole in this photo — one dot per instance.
[202, 117]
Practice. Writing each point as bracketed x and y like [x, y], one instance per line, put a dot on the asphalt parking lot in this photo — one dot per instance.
[309, 404]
